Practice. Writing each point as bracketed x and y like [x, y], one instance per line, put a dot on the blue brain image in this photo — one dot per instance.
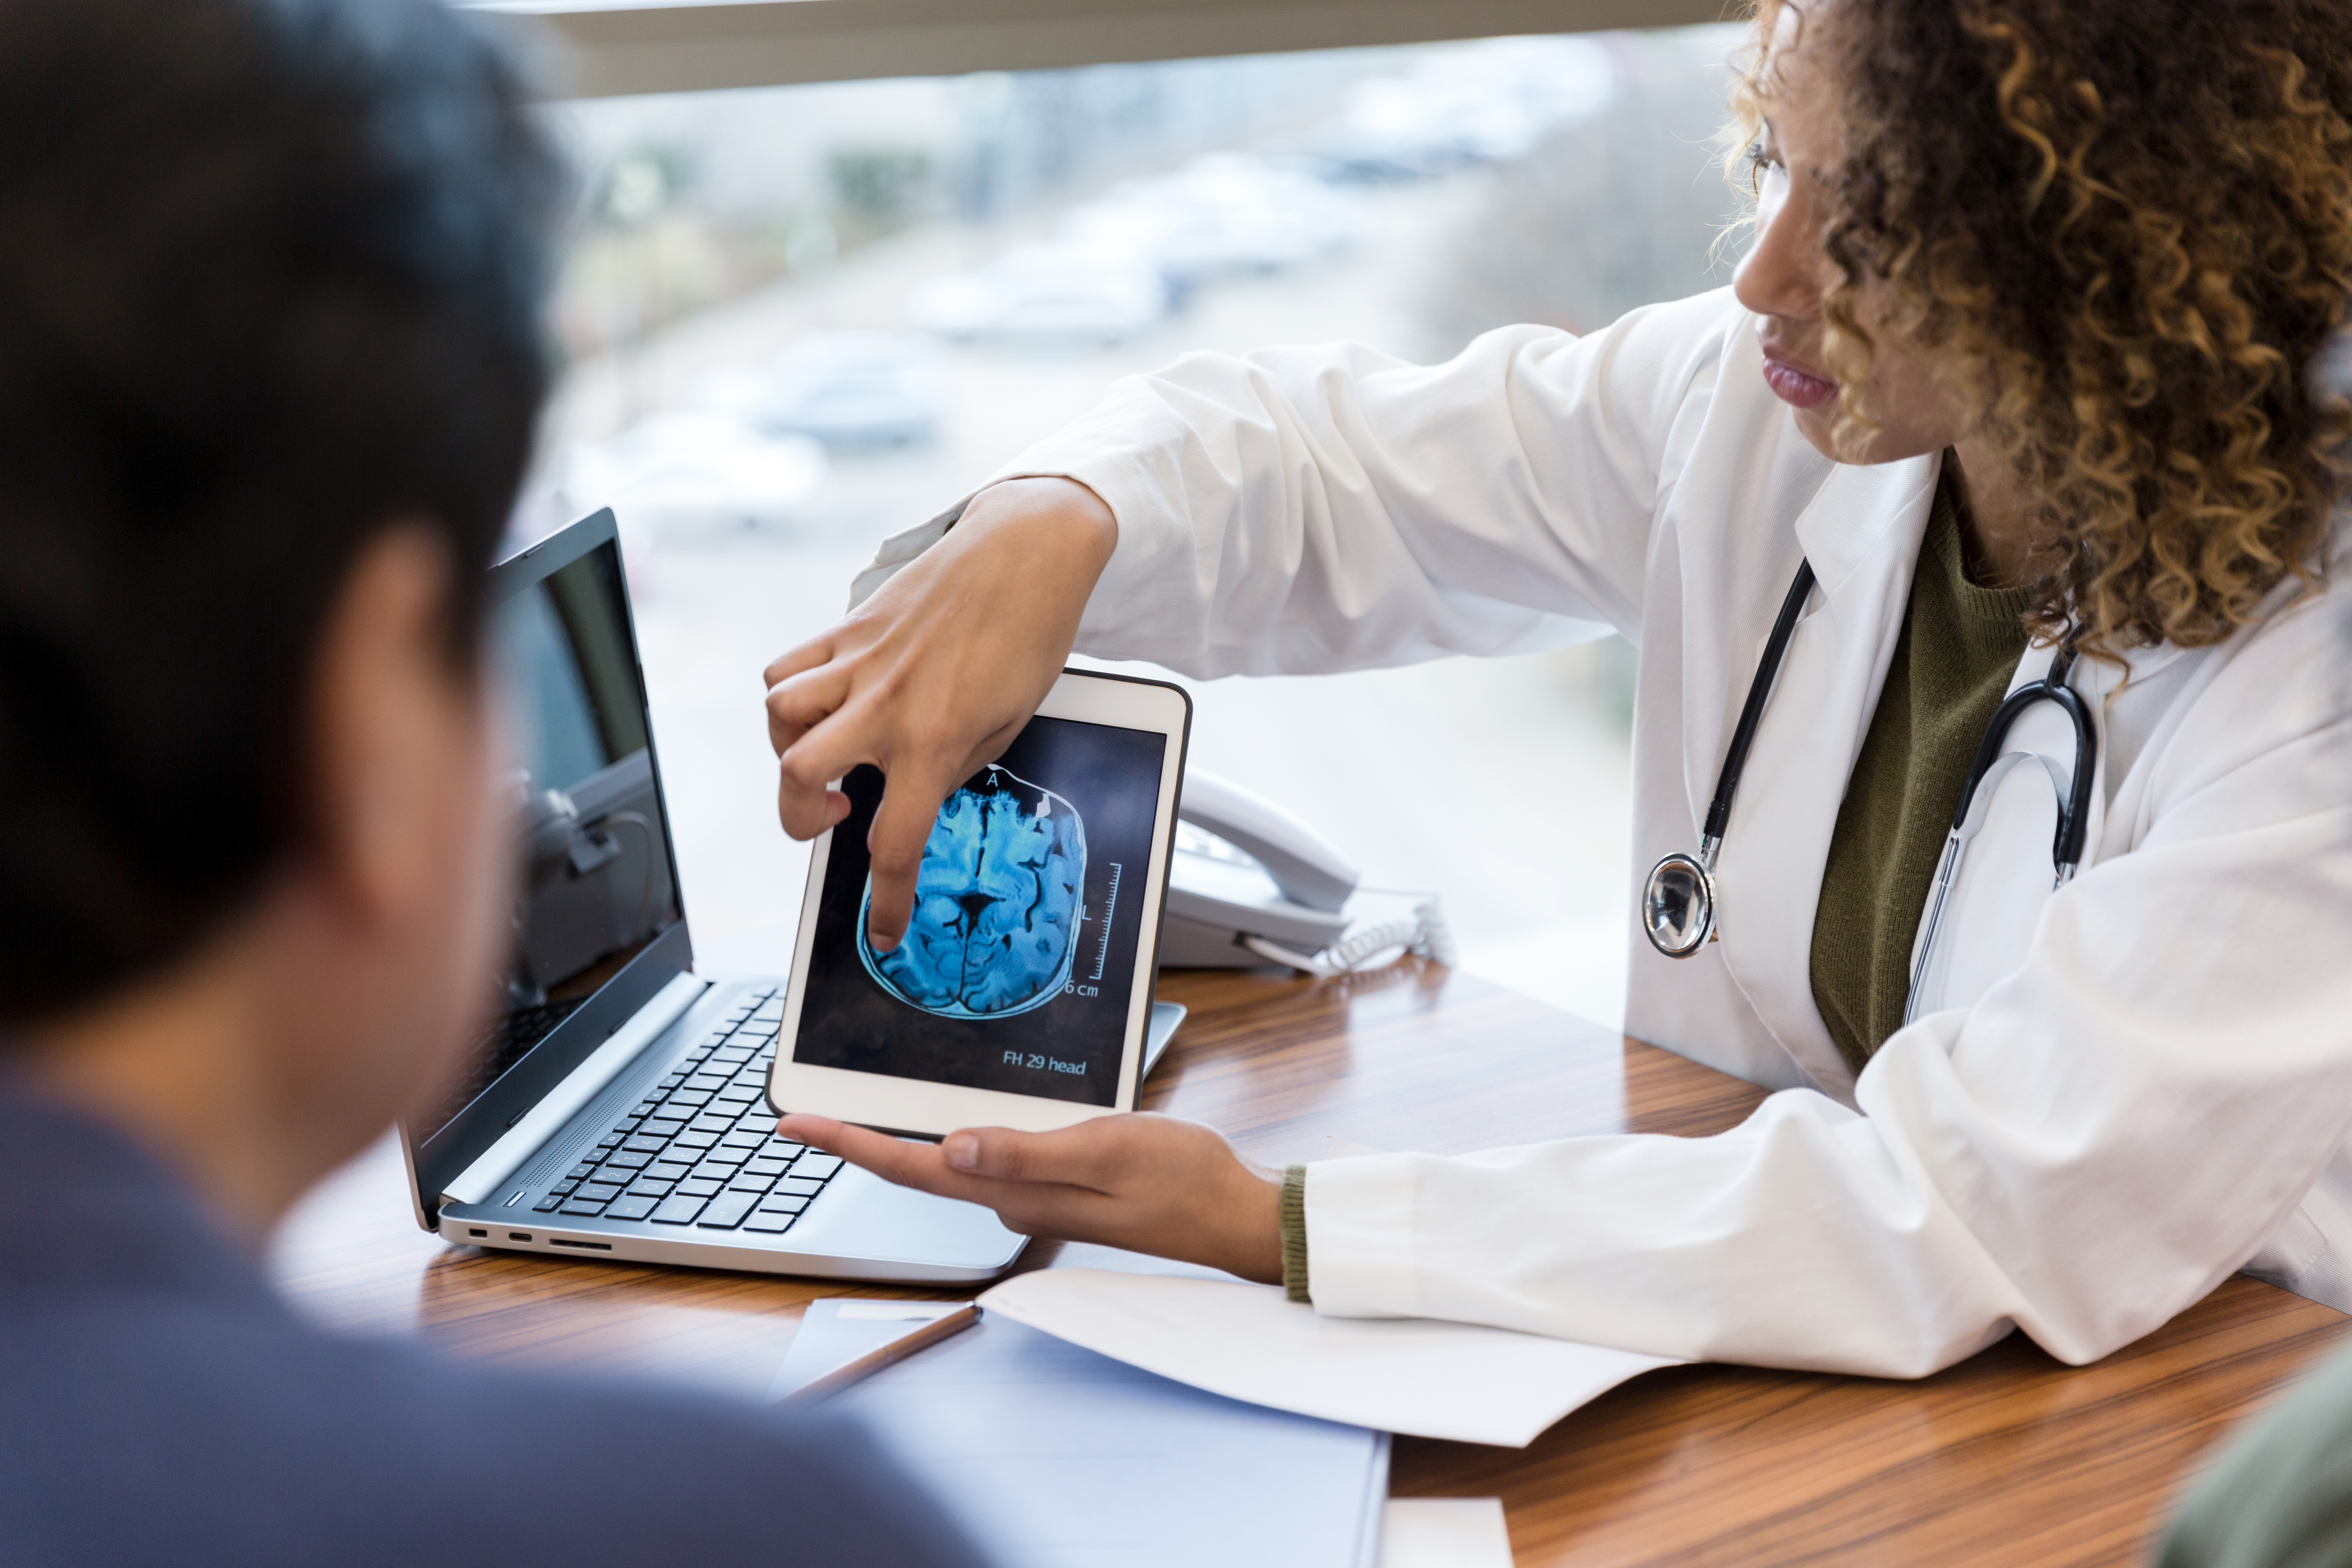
[996, 903]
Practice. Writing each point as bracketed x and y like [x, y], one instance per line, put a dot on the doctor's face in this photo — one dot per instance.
[1787, 274]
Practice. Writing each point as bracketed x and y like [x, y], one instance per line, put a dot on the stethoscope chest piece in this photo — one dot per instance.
[1678, 905]
[1678, 900]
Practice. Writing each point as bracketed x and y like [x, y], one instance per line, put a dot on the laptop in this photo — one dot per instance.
[618, 1108]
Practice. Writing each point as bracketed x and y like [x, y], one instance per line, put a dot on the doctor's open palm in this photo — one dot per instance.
[932, 677]
[1144, 1182]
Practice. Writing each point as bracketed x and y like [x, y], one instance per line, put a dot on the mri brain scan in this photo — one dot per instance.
[996, 903]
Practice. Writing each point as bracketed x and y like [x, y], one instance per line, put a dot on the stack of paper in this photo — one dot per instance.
[1247, 1342]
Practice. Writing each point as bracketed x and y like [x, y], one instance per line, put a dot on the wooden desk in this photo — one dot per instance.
[2010, 1458]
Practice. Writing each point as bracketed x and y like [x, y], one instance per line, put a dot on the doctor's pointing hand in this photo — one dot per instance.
[1992, 721]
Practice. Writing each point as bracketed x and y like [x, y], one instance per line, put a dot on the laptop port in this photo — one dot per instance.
[584, 1245]
[477, 1233]
[518, 1236]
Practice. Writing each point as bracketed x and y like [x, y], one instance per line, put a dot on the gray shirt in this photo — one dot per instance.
[2281, 1496]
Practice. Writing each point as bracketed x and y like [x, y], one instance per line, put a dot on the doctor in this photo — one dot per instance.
[2020, 366]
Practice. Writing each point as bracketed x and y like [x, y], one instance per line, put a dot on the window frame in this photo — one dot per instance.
[599, 49]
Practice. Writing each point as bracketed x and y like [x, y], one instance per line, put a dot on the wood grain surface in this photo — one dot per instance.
[2010, 1458]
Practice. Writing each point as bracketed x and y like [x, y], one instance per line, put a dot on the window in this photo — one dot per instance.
[799, 319]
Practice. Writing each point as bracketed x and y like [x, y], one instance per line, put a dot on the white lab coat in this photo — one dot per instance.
[2116, 1095]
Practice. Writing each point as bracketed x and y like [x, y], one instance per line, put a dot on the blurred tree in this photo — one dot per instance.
[881, 185]
[1620, 210]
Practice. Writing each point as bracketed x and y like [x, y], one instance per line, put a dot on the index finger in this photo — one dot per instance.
[912, 797]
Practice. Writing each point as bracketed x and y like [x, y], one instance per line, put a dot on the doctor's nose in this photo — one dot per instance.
[1783, 272]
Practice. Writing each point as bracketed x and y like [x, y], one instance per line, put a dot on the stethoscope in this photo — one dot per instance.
[1678, 904]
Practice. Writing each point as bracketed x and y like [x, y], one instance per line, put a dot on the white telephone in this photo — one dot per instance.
[1249, 876]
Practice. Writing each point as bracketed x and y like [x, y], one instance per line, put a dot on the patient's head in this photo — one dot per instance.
[269, 362]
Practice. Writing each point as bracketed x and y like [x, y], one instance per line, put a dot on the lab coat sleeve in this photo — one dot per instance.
[2113, 1128]
[1306, 510]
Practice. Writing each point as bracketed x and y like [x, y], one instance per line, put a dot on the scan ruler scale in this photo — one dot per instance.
[1110, 909]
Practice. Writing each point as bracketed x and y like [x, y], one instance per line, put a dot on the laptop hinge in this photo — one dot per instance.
[479, 1180]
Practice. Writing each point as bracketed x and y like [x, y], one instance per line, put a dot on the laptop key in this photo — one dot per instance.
[580, 1206]
[548, 1204]
[598, 1192]
[769, 1222]
[645, 1144]
[782, 1149]
[632, 1208]
[742, 1139]
[701, 1186]
[581, 1173]
[679, 1210]
[748, 1182]
[765, 1167]
[817, 1165]
[661, 1127]
[670, 1170]
[783, 1202]
[627, 1160]
[727, 1211]
[646, 1186]
[799, 1186]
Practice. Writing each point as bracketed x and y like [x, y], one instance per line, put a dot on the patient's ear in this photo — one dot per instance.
[393, 761]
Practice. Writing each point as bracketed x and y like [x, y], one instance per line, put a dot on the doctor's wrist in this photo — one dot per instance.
[1075, 522]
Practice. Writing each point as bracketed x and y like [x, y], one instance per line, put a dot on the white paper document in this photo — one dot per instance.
[1247, 1342]
[1445, 1533]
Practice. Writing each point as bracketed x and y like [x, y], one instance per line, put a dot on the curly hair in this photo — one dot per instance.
[2121, 231]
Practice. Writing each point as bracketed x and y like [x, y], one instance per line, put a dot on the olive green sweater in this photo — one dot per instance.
[1953, 661]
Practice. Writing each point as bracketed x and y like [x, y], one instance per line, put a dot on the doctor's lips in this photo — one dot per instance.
[1800, 388]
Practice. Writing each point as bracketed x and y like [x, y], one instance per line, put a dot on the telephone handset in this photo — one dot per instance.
[1248, 875]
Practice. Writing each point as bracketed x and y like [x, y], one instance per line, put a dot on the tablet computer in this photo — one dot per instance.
[1020, 994]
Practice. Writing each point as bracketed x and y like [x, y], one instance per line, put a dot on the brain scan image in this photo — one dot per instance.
[996, 903]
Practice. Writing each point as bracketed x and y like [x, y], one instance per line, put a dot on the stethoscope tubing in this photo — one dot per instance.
[2074, 823]
[1751, 713]
[1968, 816]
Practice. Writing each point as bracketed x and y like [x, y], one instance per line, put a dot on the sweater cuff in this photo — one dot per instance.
[1293, 1215]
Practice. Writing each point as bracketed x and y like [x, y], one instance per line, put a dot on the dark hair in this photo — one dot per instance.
[2127, 224]
[271, 281]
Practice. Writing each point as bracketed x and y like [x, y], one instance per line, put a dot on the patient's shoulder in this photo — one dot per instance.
[145, 1428]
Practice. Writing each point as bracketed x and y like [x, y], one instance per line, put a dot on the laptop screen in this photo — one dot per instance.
[596, 883]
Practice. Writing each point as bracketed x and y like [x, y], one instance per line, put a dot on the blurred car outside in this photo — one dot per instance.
[1224, 214]
[695, 467]
[848, 391]
[1490, 102]
[1046, 295]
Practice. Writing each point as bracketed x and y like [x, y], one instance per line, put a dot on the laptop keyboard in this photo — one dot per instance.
[700, 1149]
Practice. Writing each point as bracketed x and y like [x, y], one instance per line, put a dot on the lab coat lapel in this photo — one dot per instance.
[1862, 533]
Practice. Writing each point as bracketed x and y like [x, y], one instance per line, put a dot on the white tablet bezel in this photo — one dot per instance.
[931, 1109]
